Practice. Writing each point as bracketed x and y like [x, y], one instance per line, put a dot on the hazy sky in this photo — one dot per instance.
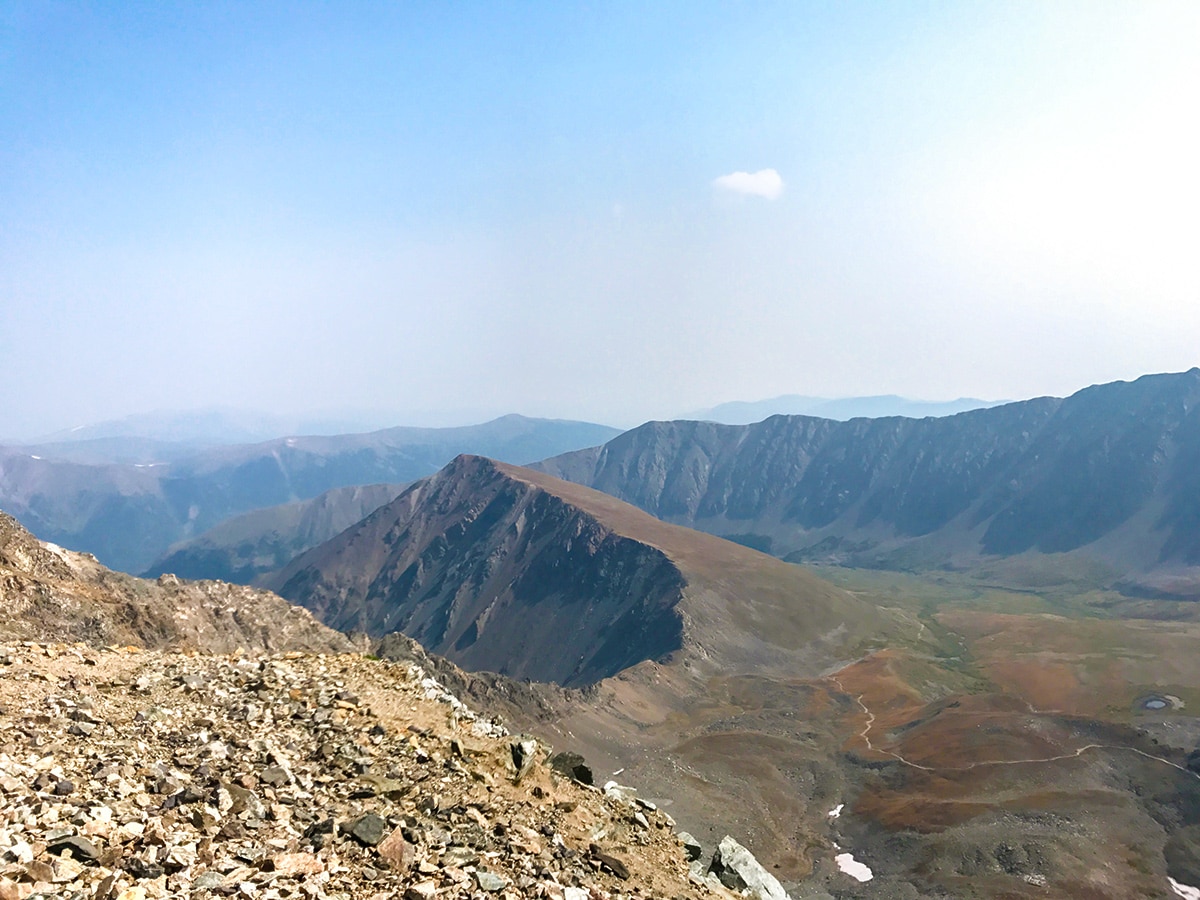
[589, 210]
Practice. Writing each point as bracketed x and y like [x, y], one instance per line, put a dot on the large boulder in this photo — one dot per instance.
[738, 870]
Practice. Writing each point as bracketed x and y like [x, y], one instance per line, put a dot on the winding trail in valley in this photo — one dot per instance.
[865, 734]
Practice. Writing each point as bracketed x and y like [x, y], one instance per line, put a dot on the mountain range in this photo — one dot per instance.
[1097, 485]
[128, 515]
[201, 428]
[1109, 473]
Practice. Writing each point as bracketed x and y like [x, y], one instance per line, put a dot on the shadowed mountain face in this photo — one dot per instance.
[496, 575]
[128, 515]
[1115, 464]
[246, 546]
[503, 569]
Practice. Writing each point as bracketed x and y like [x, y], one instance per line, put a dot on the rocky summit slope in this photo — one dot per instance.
[127, 775]
[1110, 471]
[508, 570]
[47, 593]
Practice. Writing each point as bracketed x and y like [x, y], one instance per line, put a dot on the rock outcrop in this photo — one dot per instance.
[48, 593]
[737, 869]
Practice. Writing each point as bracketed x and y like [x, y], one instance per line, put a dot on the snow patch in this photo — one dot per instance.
[852, 867]
[32, 456]
[1183, 890]
[836, 812]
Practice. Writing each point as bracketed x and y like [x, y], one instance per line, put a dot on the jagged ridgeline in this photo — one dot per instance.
[1111, 471]
[508, 570]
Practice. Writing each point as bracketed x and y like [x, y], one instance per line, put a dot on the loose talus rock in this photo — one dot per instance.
[294, 777]
[738, 870]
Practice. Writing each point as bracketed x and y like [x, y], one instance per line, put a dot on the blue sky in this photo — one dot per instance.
[453, 210]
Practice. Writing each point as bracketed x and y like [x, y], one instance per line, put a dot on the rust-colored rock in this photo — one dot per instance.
[396, 851]
[286, 864]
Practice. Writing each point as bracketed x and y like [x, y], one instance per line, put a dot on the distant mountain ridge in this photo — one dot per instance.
[747, 412]
[240, 549]
[128, 515]
[1114, 468]
[198, 428]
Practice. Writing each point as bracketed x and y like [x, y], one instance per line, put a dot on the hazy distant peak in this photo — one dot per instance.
[198, 429]
[210, 427]
[747, 412]
[129, 514]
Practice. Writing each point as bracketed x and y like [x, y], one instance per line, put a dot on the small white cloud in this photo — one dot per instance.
[763, 183]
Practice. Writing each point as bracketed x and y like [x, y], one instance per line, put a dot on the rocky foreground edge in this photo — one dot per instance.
[128, 774]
